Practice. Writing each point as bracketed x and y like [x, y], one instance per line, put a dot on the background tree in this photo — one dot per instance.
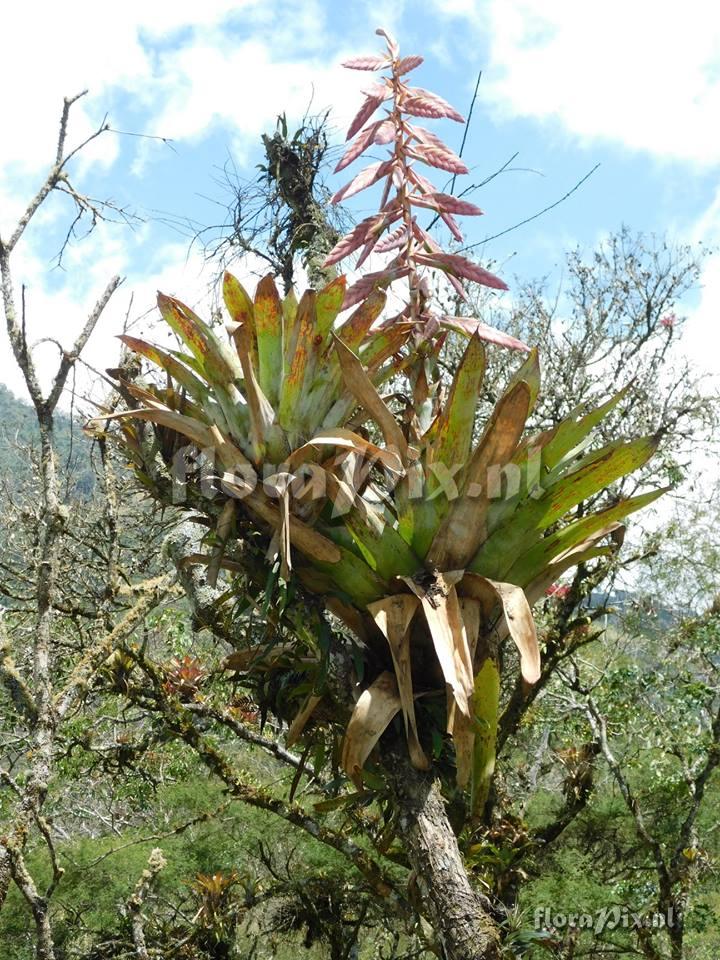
[34, 635]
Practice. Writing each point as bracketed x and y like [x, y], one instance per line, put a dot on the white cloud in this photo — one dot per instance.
[243, 88]
[643, 74]
[58, 309]
[702, 332]
[185, 69]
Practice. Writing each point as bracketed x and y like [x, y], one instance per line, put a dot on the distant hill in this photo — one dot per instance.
[19, 440]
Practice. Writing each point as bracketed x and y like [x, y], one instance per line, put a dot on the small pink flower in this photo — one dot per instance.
[559, 590]
[668, 321]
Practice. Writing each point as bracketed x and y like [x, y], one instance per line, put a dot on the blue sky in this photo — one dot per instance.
[632, 86]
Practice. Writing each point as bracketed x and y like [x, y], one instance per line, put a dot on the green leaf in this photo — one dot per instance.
[328, 305]
[486, 703]
[178, 371]
[528, 373]
[450, 436]
[237, 300]
[265, 435]
[290, 328]
[447, 443]
[361, 386]
[241, 310]
[384, 549]
[564, 438]
[535, 590]
[355, 329]
[383, 345]
[218, 364]
[465, 525]
[352, 577]
[532, 517]
[291, 391]
[269, 332]
[531, 564]
[328, 379]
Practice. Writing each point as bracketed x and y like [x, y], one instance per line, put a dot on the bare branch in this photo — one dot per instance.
[67, 104]
[69, 358]
[540, 213]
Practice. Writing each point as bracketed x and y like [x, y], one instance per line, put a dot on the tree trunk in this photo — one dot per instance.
[458, 914]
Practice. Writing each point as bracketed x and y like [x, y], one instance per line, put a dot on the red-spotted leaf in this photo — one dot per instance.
[441, 157]
[363, 140]
[365, 112]
[470, 327]
[365, 63]
[366, 178]
[423, 103]
[407, 64]
[462, 267]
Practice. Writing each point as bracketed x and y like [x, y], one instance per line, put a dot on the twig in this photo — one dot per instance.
[467, 125]
[522, 223]
[69, 358]
[155, 838]
[168, 141]
[67, 103]
[153, 591]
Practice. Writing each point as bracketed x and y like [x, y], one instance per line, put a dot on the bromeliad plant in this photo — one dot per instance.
[429, 541]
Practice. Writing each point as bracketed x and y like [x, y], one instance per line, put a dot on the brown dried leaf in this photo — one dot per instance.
[393, 616]
[442, 612]
[360, 385]
[300, 721]
[518, 617]
[373, 712]
[222, 532]
[345, 439]
[307, 540]
[187, 426]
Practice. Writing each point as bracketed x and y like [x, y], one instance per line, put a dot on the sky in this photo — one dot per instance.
[188, 88]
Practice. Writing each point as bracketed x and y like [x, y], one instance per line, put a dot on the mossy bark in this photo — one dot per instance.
[459, 914]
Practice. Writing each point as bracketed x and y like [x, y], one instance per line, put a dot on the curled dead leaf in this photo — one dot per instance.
[373, 712]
